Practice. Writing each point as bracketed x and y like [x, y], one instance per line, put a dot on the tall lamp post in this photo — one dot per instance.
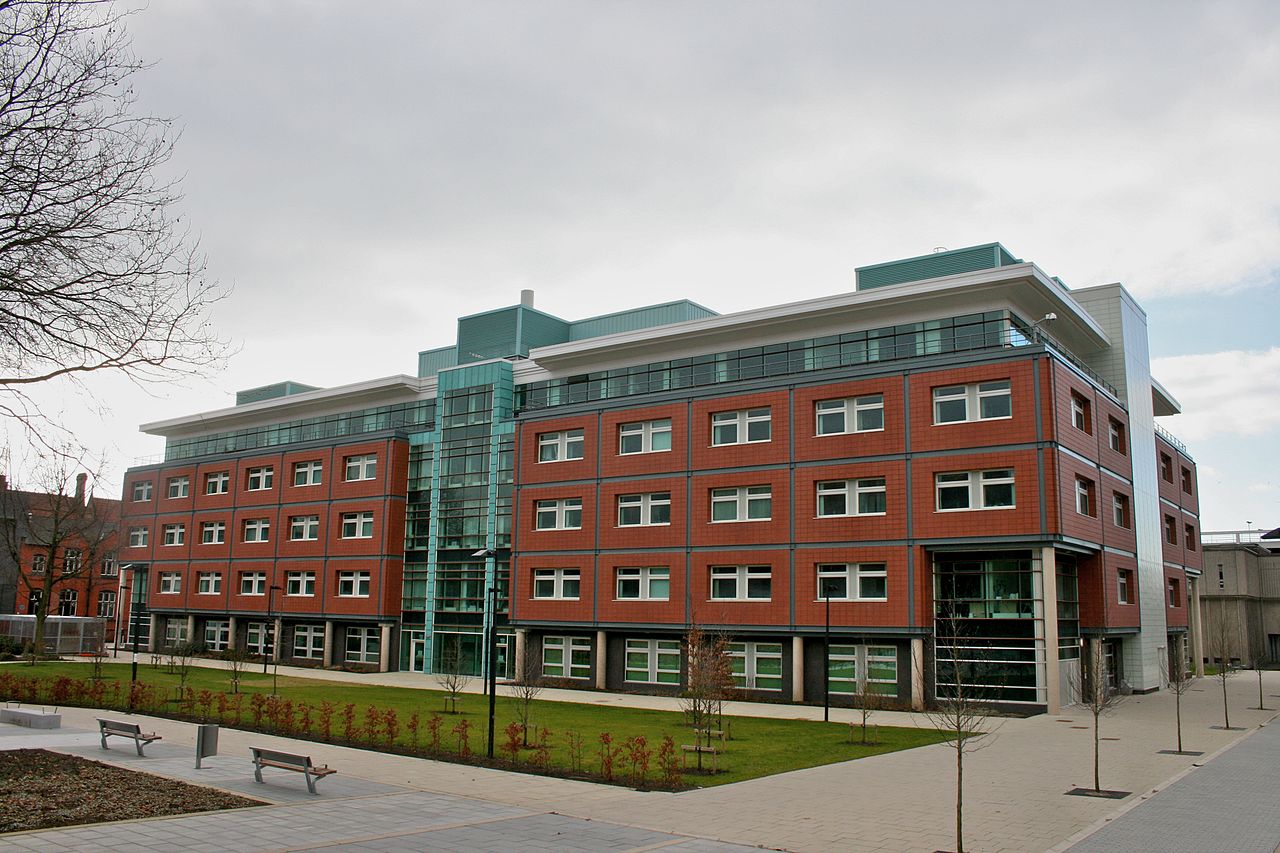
[491, 643]
[135, 609]
[269, 637]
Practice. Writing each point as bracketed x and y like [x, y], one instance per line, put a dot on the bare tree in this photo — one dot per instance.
[708, 678]
[1255, 664]
[1179, 679]
[868, 702]
[1222, 637]
[236, 658]
[55, 536]
[525, 689]
[96, 271]
[452, 678]
[1099, 697]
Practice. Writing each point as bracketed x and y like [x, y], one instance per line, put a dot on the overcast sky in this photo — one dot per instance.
[364, 174]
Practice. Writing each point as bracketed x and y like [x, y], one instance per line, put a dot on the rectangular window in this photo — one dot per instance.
[170, 583]
[110, 568]
[208, 583]
[217, 484]
[175, 632]
[175, 534]
[741, 583]
[858, 669]
[138, 537]
[38, 564]
[566, 657]
[364, 645]
[1086, 502]
[853, 414]
[217, 634]
[851, 497]
[984, 401]
[853, 582]
[1171, 530]
[1120, 510]
[644, 437]
[562, 514]
[1115, 435]
[357, 525]
[653, 662]
[746, 427]
[253, 583]
[975, 490]
[353, 584]
[141, 491]
[1081, 414]
[1189, 536]
[1175, 593]
[179, 487]
[68, 600]
[308, 641]
[300, 583]
[71, 561]
[304, 528]
[257, 530]
[560, 446]
[1166, 467]
[563, 584]
[1186, 479]
[213, 533]
[1124, 586]
[106, 604]
[257, 638]
[756, 666]
[363, 467]
[645, 583]
[742, 503]
[260, 479]
[307, 473]
[644, 510]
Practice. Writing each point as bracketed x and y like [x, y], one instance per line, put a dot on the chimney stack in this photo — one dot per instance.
[526, 298]
[81, 479]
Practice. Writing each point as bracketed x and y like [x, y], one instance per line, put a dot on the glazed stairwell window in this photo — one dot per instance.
[982, 401]
[850, 415]
[751, 426]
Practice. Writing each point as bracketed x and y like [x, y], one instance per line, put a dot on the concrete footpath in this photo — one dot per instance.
[1015, 791]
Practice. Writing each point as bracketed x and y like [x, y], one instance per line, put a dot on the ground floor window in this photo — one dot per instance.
[566, 657]
[175, 632]
[67, 601]
[217, 634]
[756, 666]
[308, 641]
[653, 661]
[107, 604]
[364, 645]
[855, 669]
[257, 638]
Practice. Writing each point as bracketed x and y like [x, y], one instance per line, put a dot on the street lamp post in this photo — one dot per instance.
[491, 640]
[270, 633]
[135, 611]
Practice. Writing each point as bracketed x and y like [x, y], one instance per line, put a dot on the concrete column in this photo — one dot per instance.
[231, 632]
[328, 642]
[522, 634]
[602, 660]
[1049, 592]
[191, 628]
[152, 640]
[384, 649]
[1197, 628]
[797, 669]
[917, 673]
[277, 637]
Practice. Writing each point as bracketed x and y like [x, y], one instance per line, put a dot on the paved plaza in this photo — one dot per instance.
[1016, 788]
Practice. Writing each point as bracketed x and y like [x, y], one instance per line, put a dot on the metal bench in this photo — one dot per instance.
[288, 761]
[115, 728]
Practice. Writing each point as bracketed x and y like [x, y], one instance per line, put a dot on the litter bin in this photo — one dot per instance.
[206, 741]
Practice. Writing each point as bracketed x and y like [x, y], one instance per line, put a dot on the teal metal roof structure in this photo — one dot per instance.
[984, 257]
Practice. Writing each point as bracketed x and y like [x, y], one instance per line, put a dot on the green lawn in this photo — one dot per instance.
[759, 746]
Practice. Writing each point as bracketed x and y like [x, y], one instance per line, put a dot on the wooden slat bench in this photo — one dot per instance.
[115, 728]
[288, 761]
[705, 750]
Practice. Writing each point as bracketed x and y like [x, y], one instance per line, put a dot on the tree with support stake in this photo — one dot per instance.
[1100, 698]
[1179, 680]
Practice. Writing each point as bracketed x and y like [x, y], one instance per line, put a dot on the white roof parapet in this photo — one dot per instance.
[1162, 401]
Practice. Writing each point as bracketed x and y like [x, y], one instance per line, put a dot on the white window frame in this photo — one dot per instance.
[138, 537]
[744, 581]
[309, 473]
[308, 642]
[557, 584]
[651, 583]
[648, 435]
[862, 658]
[852, 493]
[357, 525]
[261, 528]
[729, 428]
[752, 654]
[71, 560]
[68, 602]
[175, 534]
[170, 583]
[645, 505]
[142, 490]
[836, 417]
[213, 533]
[658, 659]
[354, 584]
[106, 603]
[208, 583]
[39, 564]
[110, 567]
[1086, 502]
[1116, 436]
[304, 528]
[1124, 586]
[217, 634]
[558, 514]
[253, 583]
[852, 575]
[1080, 414]
[976, 482]
[369, 641]
[974, 398]
[258, 637]
[179, 487]
[570, 663]
[743, 500]
[563, 446]
[300, 584]
[1120, 510]
[217, 484]
[260, 479]
[362, 466]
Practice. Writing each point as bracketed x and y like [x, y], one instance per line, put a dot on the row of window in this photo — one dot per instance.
[73, 561]
[350, 584]
[69, 602]
[835, 581]
[852, 669]
[363, 644]
[1166, 472]
[1126, 592]
[302, 528]
[360, 467]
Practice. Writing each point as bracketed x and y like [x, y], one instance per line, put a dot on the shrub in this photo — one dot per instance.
[608, 753]
[576, 743]
[412, 726]
[463, 730]
[390, 726]
[372, 724]
[669, 763]
[511, 746]
[434, 723]
[638, 755]
[349, 722]
[258, 707]
[326, 719]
